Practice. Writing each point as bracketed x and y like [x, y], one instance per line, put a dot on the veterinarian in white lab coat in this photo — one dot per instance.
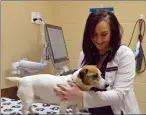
[102, 47]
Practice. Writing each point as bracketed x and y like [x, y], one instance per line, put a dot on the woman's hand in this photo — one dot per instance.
[72, 93]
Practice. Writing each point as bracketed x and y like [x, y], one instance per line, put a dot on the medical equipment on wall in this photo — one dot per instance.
[138, 51]
[50, 35]
[57, 47]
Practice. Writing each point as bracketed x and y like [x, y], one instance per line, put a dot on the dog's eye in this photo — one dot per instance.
[95, 76]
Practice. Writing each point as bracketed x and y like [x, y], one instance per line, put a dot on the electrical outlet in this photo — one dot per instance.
[36, 17]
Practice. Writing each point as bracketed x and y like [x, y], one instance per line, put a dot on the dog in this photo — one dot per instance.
[40, 88]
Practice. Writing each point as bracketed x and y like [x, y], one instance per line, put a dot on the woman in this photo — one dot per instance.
[102, 47]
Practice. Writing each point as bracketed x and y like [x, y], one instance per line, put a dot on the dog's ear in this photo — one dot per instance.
[86, 71]
[82, 74]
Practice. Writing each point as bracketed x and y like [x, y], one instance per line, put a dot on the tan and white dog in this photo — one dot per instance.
[40, 88]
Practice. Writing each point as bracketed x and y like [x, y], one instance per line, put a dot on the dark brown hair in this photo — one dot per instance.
[91, 53]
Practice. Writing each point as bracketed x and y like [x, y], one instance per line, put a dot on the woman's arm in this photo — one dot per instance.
[122, 84]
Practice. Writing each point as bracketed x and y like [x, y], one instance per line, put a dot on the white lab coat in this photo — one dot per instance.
[121, 96]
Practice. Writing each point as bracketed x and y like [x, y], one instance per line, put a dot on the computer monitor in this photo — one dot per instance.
[56, 44]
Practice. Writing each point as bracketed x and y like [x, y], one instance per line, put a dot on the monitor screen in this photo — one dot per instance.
[56, 44]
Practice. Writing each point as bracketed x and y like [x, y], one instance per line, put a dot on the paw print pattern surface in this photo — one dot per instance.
[13, 107]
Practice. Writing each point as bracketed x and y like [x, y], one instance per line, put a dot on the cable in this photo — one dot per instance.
[140, 56]
[133, 33]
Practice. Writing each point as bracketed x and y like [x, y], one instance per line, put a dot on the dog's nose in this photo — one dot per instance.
[106, 85]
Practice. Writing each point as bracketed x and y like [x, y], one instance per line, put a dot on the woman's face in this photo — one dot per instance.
[101, 37]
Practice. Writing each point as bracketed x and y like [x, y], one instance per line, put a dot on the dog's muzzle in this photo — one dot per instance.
[106, 85]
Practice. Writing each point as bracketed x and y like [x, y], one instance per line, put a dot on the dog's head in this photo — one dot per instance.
[90, 76]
